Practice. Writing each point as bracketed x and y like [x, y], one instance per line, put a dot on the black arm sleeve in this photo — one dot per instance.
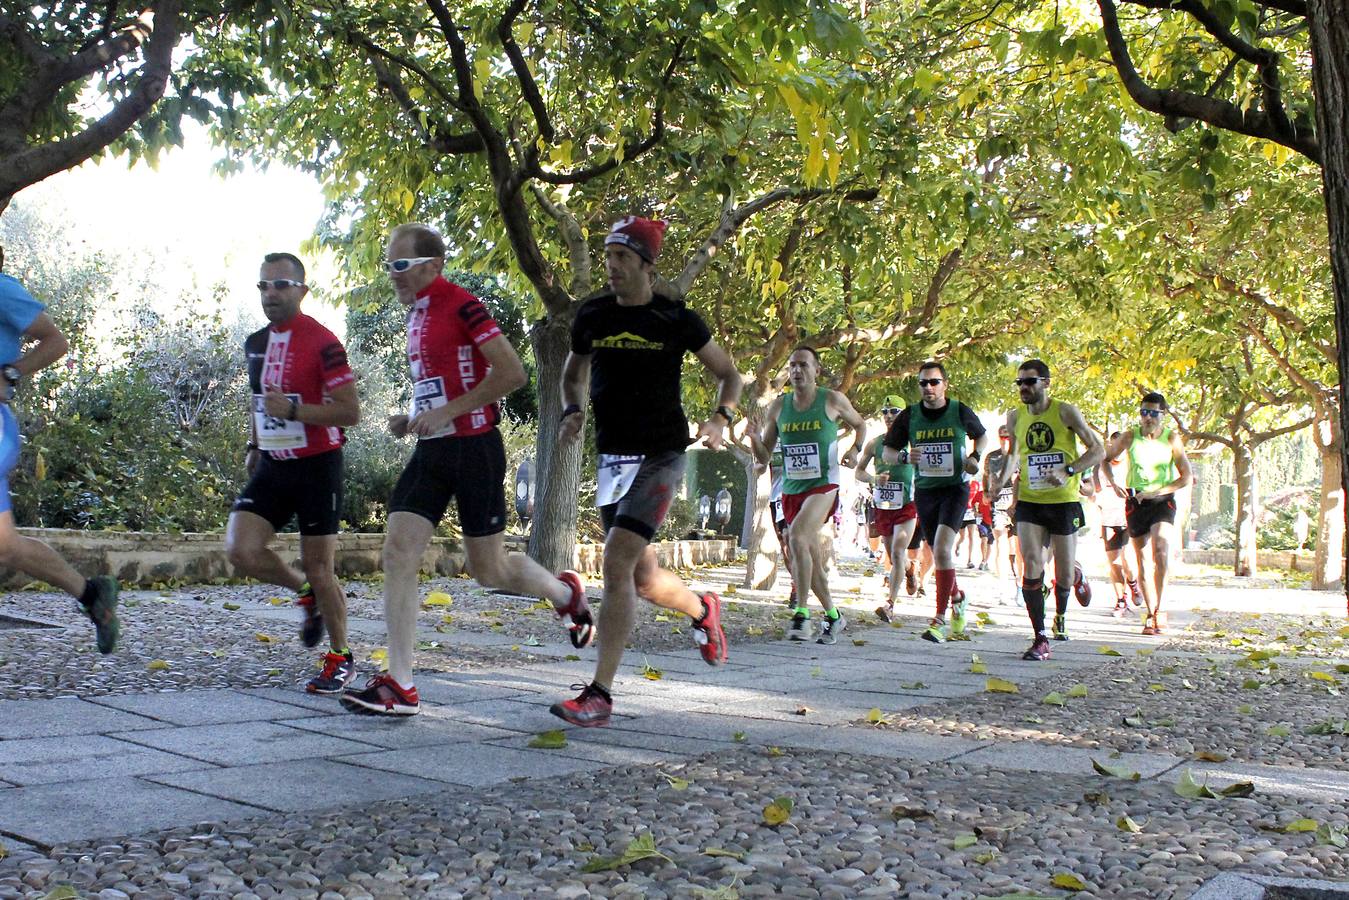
[897, 438]
[970, 422]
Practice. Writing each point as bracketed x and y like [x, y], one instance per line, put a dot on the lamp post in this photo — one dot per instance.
[524, 492]
[704, 511]
[723, 509]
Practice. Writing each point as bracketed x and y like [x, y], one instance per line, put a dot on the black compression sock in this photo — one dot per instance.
[1035, 605]
[603, 692]
[89, 595]
[1061, 592]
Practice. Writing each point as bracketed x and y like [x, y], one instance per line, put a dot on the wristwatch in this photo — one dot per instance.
[11, 373]
[726, 413]
[1070, 470]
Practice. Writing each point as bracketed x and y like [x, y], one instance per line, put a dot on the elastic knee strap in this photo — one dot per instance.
[1033, 584]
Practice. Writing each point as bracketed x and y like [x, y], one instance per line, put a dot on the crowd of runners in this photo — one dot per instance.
[935, 483]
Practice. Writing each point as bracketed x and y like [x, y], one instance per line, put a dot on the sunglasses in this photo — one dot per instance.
[279, 284]
[1026, 382]
[402, 265]
[890, 410]
[929, 382]
[1149, 413]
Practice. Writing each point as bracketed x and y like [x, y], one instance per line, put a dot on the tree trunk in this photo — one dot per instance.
[552, 538]
[1243, 464]
[1329, 568]
[761, 561]
[1329, 27]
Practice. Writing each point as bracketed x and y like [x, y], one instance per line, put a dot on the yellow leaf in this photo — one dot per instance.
[277, 601]
[264, 638]
[379, 654]
[438, 598]
[157, 665]
[1068, 881]
[1107, 650]
[1001, 686]
[875, 716]
[1323, 676]
[407, 200]
[778, 811]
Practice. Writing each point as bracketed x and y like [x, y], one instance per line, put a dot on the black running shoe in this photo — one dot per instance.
[339, 670]
[311, 623]
[103, 613]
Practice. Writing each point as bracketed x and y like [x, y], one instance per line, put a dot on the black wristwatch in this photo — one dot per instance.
[975, 454]
[252, 445]
[1070, 470]
[294, 410]
[726, 413]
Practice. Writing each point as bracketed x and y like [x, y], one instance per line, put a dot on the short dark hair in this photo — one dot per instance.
[426, 241]
[933, 364]
[287, 258]
[1113, 435]
[1038, 366]
[809, 349]
[1154, 397]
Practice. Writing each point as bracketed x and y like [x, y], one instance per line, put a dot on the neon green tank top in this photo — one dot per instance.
[1151, 462]
[1045, 444]
[809, 440]
[898, 491]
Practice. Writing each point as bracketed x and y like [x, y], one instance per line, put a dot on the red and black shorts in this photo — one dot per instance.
[887, 519]
[791, 503]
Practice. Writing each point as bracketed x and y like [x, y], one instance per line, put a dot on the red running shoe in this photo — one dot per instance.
[382, 696]
[576, 614]
[1081, 587]
[1039, 650]
[311, 624]
[589, 709]
[708, 632]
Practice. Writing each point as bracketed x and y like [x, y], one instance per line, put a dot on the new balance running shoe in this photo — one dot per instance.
[708, 632]
[1039, 650]
[589, 709]
[1060, 628]
[576, 614]
[103, 613]
[959, 606]
[1081, 587]
[800, 628]
[911, 579]
[382, 696]
[936, 631]
[311, 622]
[831, 629]
[885, 613]
[339, 670]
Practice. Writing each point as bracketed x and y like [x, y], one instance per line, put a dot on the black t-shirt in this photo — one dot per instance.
[897, 437]
[636, 359]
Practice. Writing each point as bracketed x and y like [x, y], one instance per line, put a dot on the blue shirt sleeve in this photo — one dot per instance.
[18, 310]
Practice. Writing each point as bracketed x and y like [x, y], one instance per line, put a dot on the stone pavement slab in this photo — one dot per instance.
[324, 703]
[1321, 784]
[475, 765]
[433, 726]
[301, 785]
[598, 754]
[244, 743]
[48, 814]
[674, 745]
[1038, 757]
[200, 707]
[82, 757]
[66, 715]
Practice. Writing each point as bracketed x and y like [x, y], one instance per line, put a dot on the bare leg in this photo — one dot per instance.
[32, 557]
[405, 541]
[492, 567]
[247, 536]
[317, 555]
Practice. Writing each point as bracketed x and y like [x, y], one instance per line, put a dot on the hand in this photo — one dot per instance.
[398, 425]
[1119, 491]
[882, 478]
[570, 428]
[850, 458]
[1058, 477]
[276, 404]
[1146, 495]
[433, 420]
[971, 465]
[711, 432]
[251, 461]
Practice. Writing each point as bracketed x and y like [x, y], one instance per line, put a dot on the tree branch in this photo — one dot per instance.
[528, 87]
[438, 138]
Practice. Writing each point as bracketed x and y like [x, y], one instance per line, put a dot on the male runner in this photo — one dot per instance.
[1158, 468]
[896, 513]
[935, 434]
[303, 395]
[628, 345]
[1110, 497]
[780, 520]
[1045, 457]
[462, 366]
[806, 421]
[1004, 532]
[24, 319]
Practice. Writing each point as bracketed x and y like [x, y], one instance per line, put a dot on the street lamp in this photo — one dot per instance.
[704, 511]
[723, 509]
[524, 492]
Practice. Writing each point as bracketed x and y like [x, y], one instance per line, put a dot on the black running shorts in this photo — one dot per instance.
[1055, 518]
[470, 469]
[1143, 514]
[643, 508]
[941, 506]
[308, 489]
[1115, 537]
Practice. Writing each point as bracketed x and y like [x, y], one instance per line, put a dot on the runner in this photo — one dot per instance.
[939, 430]
[985, 526]
[1004, 531]
[969, 525]
[462, 366]
[1045, 457]
[303, 394]
[779, 517]
[807, 421]
[896, 514]
[628, 345]
[1110, 495]
[22, 320]
[1158, 468]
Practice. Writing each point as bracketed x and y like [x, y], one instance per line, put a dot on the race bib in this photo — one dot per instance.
[274, 433]
[801, 462]
[616, 475]
[429, 394]
[1005, 498]
[1041, 466]
[936, 460]
[889, 496]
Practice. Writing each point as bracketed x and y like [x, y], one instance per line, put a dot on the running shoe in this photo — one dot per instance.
[1150, 629]
[589, 709]
[1038, 651]
[708, 632]
[103, 613]
[791, 600]
[959, 606]
[1081, 587]
[983, 567]
[382, 696]
[1135, 594]
[311, 621]
[800, 629]
[831, 629]
[911, 580]
[576, 614]
[921, 592]
[339, 670]
[936, 631]
[1121, 608]
[885, 613]
[1060, 628]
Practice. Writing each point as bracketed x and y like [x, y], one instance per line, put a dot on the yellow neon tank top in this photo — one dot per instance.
[1044, 444]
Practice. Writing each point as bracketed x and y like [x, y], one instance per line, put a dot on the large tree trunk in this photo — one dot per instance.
[1330, 82]
[552, 538]
[761, 561]
[1329, 566]
[1243, 465]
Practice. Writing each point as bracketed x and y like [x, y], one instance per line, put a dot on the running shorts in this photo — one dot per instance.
[888, 519]
[1055, 518]
[644, 507]
[308, 489]
[1143, 514]
[471, 469]
[791, 503]
[941, 506]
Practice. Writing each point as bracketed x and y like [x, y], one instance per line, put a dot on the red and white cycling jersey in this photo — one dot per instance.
[446, 327]
[306, 362]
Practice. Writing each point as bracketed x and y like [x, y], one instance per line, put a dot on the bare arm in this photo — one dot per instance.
[729, 386]
[763, 445]
[863, 461]
[1094, 452]
[49, 346]
[1012, 462]
[575, 384]
[844, 412]
[343, 409]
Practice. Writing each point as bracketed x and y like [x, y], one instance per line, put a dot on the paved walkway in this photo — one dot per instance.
[75, 769]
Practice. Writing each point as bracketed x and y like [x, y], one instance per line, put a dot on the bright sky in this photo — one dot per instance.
[196, 227]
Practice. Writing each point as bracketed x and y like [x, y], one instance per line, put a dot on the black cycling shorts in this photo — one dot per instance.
[941, 506]
[1115, 537]
[470, 469]
[308, 489]
[1055, 518]
[1143, 514]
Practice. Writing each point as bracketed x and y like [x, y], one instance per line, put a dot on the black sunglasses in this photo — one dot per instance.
[279, 284]
[1026, 382]
[929, 382]
[890, 410]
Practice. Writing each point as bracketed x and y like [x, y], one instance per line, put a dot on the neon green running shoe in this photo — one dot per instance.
[959, 604]
[936, 631]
